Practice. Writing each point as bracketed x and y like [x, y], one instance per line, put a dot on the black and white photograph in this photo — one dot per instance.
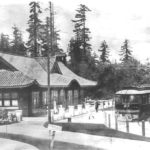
[74, 75]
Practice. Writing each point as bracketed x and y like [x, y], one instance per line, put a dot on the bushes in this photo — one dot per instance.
[6, 117]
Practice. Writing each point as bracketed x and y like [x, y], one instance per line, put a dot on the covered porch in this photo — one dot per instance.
[61, 97]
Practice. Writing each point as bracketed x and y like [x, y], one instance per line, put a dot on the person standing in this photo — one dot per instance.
[96, 106]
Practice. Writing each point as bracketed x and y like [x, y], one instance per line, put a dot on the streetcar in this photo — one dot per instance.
[133, 104]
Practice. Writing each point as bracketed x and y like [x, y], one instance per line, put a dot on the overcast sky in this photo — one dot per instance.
[110, 20]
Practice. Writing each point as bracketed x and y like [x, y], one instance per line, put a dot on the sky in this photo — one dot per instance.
[109, 20]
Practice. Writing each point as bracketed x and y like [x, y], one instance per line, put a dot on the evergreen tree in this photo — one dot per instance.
[4, 43]
[81, 31]
[34, 29]
[104, 52]
[81, 45]
[126, 53]
[17, 42]
[56, 47]
[75, 55]
[55, 34]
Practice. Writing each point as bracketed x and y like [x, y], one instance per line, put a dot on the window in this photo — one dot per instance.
[6, 102]
[149, 98]
[70, 97]
[14, 102]
[6, 95]
[76, 97]
[144, 99]
[14, 97]
[54, 95]
[44, 98]
[125, 99]
[6, 99]
[62, 97]
[35, 99]
[118, 99]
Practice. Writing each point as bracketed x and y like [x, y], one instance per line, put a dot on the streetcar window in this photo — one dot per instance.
[118, 99]
[136, 99]
[149, 98]
[132, 99]
[144, 99]
[125, 99]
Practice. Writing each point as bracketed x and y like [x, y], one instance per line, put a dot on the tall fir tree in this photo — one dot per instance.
[34, 29]
[82, 39]
[4, 43]
[104, 49]
[55, 34]
[75, 55]
[81, 31]
[126, 52]
[17, 44]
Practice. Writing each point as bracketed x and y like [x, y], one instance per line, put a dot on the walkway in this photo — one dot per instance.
[6, 144]
[31, 131]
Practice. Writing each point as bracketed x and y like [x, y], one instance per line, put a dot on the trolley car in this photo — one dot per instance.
[133, 104]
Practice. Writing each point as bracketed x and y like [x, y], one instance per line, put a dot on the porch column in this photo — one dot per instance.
[76, 97]
[79, 97]
[40, 98]
[73, 98]
[66, 98]
[70, 97]
[59, 99]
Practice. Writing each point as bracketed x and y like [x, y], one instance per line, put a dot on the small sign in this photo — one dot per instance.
[54, 127]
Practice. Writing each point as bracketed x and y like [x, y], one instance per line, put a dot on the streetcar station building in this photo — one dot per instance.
[23, 83]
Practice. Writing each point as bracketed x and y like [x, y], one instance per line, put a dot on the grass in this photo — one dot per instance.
[43, 144]
[99, 129]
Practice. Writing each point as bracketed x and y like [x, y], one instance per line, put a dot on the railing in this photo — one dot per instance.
[137, 127]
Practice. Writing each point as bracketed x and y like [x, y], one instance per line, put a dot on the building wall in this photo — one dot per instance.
[33, 100]
[14, 99]
[25, 101]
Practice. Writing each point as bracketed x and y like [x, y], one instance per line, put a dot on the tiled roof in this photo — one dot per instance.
[43, 62]
[36, 68]
[82, 81]
[9, 79]
[28, 66]
[58, 80]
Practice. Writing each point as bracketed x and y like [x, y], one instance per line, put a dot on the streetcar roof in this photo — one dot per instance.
[132, 92]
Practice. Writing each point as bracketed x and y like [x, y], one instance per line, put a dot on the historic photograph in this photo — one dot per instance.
[75, 75]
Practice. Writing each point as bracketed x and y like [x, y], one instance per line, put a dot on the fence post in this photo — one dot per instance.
[109, 121]
[127, 126]
[116, 122]
[143, 128]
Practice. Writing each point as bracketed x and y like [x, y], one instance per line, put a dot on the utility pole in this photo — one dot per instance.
[35, 32]
[52, 29]
[50, 49]
[84, 44]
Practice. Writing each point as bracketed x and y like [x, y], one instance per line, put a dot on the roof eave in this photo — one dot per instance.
[20, 86]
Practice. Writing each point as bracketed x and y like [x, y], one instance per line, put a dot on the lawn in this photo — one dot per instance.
[99, 129]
